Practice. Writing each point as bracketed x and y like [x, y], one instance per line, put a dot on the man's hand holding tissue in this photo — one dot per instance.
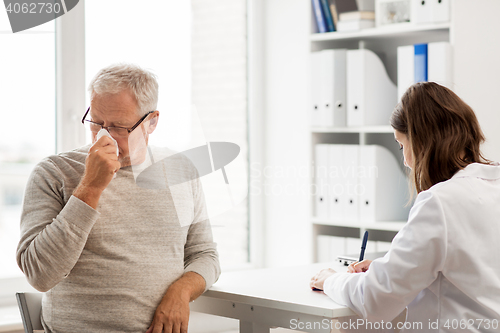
[100, 166]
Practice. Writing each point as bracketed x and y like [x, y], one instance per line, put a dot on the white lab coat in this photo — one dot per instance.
[444, 264]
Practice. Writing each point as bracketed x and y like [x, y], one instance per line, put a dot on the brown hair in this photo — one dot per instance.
[443, 132]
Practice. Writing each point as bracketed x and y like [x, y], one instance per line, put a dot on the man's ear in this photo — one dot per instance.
[153, 122]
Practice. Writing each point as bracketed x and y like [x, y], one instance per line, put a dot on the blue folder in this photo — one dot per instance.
[421, 60]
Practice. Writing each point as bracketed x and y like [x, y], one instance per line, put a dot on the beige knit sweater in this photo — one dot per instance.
[106, 270]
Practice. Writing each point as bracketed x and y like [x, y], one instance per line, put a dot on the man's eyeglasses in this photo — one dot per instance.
[115, 131]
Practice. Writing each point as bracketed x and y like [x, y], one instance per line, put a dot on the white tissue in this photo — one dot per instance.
[104, 132]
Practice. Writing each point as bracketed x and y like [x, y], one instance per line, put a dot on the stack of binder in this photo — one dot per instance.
[328, 75]
[359, 183]
[330, 247]
[371, 95]
[430, 11]
[424, 62]
[350, 88]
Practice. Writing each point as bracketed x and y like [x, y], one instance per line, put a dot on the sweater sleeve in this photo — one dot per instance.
[53, 232]
[200, 253]
[416, 257]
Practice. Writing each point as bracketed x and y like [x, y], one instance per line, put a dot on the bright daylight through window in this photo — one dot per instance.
[27, 92]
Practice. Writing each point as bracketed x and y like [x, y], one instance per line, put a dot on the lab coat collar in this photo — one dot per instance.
[478, 170]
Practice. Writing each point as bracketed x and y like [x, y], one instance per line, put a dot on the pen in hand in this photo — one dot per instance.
[363, 247]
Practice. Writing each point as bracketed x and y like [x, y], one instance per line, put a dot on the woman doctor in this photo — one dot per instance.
[444, 264]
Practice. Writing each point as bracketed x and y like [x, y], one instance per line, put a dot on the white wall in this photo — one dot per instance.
[287, 227]
[475, 37]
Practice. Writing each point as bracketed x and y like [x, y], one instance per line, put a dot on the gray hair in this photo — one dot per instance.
[118, 77]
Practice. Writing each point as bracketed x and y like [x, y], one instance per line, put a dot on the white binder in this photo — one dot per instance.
[383, 186]
[406, 68]
[353, 246]
[329, 247]
[371, 95]
[440, 10]
[337, 183]
[337, 247]
[430, 11]
[321, 180]
[323, 248]
[349, 171]
[421, 11]
[315, 109]
[333, 87]
[440, 69]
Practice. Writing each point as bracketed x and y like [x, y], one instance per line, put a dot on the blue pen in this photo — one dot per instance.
[363, 246]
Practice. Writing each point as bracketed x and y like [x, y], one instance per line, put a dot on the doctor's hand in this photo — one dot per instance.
[318, 280]
[359, 267]
[100, 166]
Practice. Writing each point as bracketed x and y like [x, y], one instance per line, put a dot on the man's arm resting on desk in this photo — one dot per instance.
[172, 315]
[201, 270]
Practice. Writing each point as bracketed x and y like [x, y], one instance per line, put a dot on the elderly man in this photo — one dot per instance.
[113, 256]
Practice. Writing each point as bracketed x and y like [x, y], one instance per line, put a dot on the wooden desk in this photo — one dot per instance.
[277, 297]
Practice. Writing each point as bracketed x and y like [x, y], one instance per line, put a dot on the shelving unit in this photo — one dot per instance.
[379, 225]
[401, 30]
[384, 42]
[368, 129]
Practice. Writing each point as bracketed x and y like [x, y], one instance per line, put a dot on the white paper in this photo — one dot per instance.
[104, 132]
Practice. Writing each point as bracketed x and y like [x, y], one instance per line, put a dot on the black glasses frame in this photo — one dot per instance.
[129, 130]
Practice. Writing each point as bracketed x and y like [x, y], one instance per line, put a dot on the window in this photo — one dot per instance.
[198, 50]
[27, 93]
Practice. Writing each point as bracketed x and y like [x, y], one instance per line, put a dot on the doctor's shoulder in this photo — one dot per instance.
[460, 191]
[439, 195]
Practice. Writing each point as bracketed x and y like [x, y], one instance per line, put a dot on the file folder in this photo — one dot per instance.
[327, 15]
[329, 247]
[316, 110]
[333, 87]
[321, 177]
[406, 69]
[349, 171]
[323, 248]
[337, 188]
[440, 10]
[420, 63]
[353, 245]
[430, 11]
[383, 186]
[440, 67]
[319, 16]
[371, 95]
[421, 11]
